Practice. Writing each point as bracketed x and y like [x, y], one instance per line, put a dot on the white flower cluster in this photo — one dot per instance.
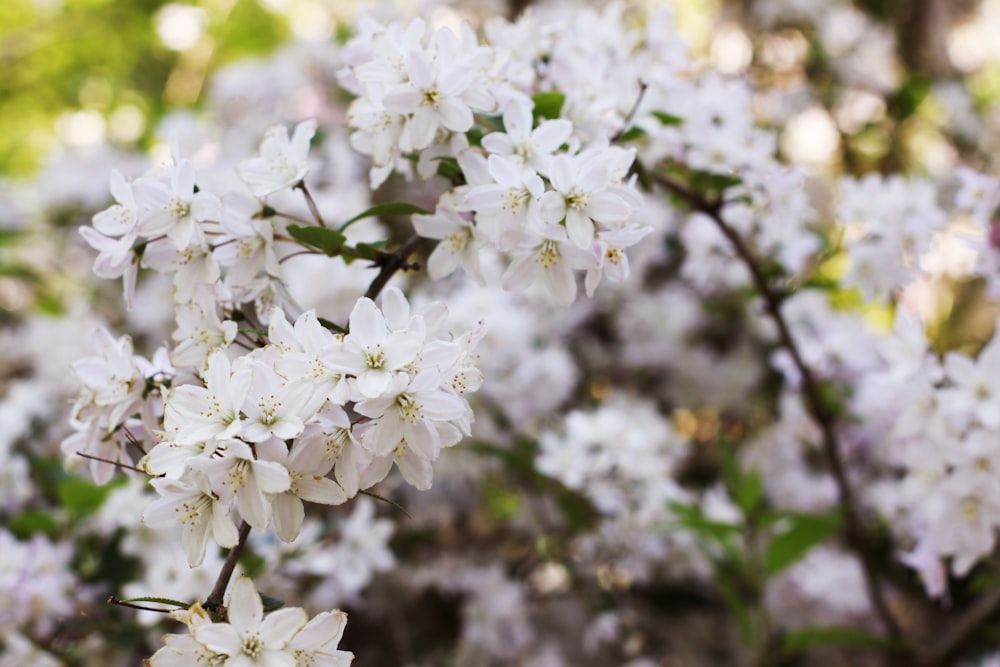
[264, 430]
[250, 638]
[532, 190]
[623, 457]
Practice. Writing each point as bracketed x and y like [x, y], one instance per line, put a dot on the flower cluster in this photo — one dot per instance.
[249, 637]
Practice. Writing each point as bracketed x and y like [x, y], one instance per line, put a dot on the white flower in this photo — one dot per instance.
[282, 162]
[546, 255]
[194, 504]
[531, 149]
[584, 181]
[248, 478]
[212, 411]
[250, 638]
[307, 466]
[173, 207]
[372, 353]
[273, 407]
[458, 246]
[316, 644]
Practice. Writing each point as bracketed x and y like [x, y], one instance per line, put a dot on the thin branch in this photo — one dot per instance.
[294, 218]
[297, 253]
[117, 464]
[631, 114]
[942, 651]
[824, 416]
[312, 203]
[214, 600]
[389, 263]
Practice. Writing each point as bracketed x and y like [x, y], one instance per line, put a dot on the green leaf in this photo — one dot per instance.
[547, 105]
[692, 518]
[391, 208]
[80, 497]
[330, 241]
[159, 600]
[11, 236]
[332, 326]
[631, 134]
[271, 603]
[667, 119]
[370, 251]
[800, 639]
[32, 522]
[448, 168]
[803, 533]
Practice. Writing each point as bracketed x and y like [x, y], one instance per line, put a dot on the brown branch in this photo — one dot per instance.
[819, 409]
[942, 651]
[214, 601]
[311, 203]
[389, 263]
[117, 464]
[631, 114]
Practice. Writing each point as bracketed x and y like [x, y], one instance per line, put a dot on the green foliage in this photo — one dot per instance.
[102, 55]
[80, 497]
[390, 208]
[798, 640]
[547, 106]
[33, 522]
[330, 241]
[801, 533]
[157, 600]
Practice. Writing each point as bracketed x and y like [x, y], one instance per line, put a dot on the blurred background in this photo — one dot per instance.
[850, 88]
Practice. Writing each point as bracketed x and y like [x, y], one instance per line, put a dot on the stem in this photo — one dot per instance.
[942, 651]
[312, 203]
[214, 601]
[117, 464]
[390, 263]
[631, 114]
[819, 410]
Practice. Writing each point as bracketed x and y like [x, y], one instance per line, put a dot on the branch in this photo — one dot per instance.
[942, 651]
[214, 601]
[389, 263]
[818, 408]
[117, 464]
[311, 203]
[631, 114]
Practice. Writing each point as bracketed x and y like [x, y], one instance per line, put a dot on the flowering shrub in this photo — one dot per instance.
[642, 368]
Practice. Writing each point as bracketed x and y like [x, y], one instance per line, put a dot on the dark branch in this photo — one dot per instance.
[389, 263]
[214, 601]
[819, 409]
[631, 114]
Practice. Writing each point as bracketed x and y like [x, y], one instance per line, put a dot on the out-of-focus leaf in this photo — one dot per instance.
[33, 522]
[804, 532]
[547, 105]
[800, 639]
[80, 497]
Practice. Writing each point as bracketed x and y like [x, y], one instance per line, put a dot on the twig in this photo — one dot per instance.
[312, 203]
[117, 464]
[825, 417]
[390, 263]
[942, 651]
[631, 114]
[214, 600]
